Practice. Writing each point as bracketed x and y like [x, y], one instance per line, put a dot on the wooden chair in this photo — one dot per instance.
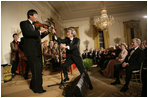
[136, 74]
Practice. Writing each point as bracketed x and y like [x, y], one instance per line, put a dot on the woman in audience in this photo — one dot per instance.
[109, 70]
[55, 57]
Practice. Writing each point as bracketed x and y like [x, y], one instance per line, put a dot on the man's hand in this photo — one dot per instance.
[44, 30]
[53, 31]
[113, 53]
[124, 64]
[63, 46]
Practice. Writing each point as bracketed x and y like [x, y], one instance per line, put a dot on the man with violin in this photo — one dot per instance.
[32, 49]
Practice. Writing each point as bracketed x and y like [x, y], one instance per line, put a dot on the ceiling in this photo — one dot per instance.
[79, 9]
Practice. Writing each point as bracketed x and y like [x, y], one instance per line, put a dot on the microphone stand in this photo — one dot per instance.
[61, 84]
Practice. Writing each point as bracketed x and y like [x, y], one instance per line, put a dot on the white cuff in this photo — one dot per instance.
[55, 37]
[40, 33]
[68, 47]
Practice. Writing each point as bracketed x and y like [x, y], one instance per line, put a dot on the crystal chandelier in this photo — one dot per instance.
[104, 21]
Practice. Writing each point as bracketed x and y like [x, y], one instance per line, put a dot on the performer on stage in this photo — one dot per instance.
[14, 54]
[32, 49]
[71, 44]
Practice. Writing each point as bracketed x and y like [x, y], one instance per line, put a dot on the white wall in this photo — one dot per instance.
[12, 12]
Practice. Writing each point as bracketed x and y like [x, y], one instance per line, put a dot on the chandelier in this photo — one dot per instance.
[104, 21]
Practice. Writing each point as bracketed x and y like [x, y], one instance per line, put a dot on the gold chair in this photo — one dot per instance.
[136, 74]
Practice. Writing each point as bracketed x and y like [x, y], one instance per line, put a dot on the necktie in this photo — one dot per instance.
[131, 53]
[33, 25]
[70, 41]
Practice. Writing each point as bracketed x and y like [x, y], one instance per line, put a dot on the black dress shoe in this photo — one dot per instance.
[91, 87]
[115, 82]
[66, 79]
[42, 91]
[124, 89]
[39, 91]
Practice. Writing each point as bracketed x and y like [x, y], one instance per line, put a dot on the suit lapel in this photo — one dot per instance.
[73, 41]
[135, 53]
[30, 25]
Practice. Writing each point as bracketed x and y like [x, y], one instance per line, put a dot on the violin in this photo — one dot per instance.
[37, 25]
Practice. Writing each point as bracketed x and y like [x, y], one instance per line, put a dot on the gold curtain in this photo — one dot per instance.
[106, 38]
[127, 30]
[76, 29]
[127, 35]
[96, 38]
[96, 41]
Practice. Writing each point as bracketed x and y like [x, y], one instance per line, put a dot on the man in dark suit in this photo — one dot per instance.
[85, 54]
[72, 44]
[132, 62]
[14, 54]
[32, 49]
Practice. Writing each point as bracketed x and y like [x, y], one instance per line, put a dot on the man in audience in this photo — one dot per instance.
[55, 57]
[46, 54]
[132, 62]
[90, 53]
[14, 54]
[85, 54]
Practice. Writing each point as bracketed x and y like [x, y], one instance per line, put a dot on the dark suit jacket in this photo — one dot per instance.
[14, 51]
[32, 39]
[136, 58]
[74, 47]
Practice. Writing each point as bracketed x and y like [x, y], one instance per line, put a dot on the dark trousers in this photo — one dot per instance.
[35, 63]
[55, 64]
[27, 69]
[79, 63]
[118, 68]
[144, 83]
[14, 65]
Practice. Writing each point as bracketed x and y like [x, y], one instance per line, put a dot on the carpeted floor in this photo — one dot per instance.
[19, 87]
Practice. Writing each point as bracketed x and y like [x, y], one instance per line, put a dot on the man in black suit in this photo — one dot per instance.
[85, 54]
[132, 62]
[72, 44]
[32, 49]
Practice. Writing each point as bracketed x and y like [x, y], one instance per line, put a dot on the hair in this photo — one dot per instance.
[137, 40]
[31, 12]
[124, 44]
[14, 34]
[72, 31]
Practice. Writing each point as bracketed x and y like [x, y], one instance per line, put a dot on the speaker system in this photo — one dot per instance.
[80, 89]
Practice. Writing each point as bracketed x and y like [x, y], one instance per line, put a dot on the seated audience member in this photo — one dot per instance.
[46, 54]
[63, 55]
[117, 50]
[90, 54]
[108, 55]
[132, 62]
[55, 57]
[14, 54]
[85, 54]
[109, 70]
[95, 56]
[101, 57]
